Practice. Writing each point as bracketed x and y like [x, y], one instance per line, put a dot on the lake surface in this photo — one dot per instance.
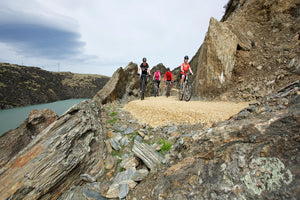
[12, 118]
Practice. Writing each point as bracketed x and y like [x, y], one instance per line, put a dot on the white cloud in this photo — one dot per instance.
[117, 32]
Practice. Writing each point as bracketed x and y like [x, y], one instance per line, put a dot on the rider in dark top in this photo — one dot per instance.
[145, 70]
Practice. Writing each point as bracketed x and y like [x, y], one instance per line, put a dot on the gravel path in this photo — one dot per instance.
[161, 111]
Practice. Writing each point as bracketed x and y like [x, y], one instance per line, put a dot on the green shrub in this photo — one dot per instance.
[166, 145]
[112, 121]
[113, 114]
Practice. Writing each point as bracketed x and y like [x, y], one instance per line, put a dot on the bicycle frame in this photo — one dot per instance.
[186, 91]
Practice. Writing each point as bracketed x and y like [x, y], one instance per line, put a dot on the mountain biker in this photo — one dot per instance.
[184, 69]
[157, 77]
[145, 70]
[168, 76]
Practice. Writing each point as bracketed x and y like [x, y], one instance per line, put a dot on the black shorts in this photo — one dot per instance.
[181, 76]
[158, 82]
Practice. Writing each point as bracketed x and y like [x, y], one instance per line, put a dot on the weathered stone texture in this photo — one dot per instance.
[123, 83]
[56, 158]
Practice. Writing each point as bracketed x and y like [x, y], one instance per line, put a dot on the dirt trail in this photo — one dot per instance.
[161, 111]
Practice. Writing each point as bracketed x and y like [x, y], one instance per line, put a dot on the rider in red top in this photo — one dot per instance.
[184, 69]
[168, 75]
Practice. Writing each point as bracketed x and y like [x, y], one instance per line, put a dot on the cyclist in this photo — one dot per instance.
[168, 76]
[145, 70]
[184, 69]
[156, 77]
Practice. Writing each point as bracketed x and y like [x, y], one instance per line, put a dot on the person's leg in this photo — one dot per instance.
[158, 82]
[141, 79]
[182, 79]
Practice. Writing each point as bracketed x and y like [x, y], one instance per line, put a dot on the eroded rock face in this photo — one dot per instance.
[13, 141]
[216, 59]
[253, 155]
[123, 83]
[67, 152]
[250, 53]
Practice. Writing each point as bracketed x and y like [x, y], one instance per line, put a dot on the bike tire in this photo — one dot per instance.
[143, 89]
[180, 95]
[142, 96]
[168, 90]
[187, 92]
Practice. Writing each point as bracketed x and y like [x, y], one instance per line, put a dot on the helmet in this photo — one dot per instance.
[168, 69]
[157, 68]
[186, 57]
[144, 59]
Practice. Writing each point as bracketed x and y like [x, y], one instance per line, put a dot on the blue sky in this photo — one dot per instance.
[97, 36]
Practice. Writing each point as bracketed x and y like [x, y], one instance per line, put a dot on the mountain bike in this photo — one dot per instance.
[156, 93]
[186, 91]
[143, 88]
[168, 88]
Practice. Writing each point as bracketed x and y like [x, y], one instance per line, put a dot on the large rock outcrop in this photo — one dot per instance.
[21, 86]
[123, 83]
[216, 59]
[254, 155]
[252, 52]
[67, 153]
[13, 141]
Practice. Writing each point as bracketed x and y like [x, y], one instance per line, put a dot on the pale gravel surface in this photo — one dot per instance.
[161, 111]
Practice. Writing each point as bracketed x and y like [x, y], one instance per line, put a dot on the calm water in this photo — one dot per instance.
[12, 118]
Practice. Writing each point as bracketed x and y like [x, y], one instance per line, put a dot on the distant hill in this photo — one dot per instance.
[21, 85]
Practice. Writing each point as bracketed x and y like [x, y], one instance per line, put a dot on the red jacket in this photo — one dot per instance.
[169, 76]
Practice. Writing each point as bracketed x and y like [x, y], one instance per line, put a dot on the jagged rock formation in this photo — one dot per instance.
[13, 141]
[123, 83]
[253, 52]
[68, 152]
[254, 155]
[21, 86]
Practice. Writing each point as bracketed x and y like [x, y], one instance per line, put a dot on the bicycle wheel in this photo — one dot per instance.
[187, 92]
[143, 89]
[168, 90]
[180, 94]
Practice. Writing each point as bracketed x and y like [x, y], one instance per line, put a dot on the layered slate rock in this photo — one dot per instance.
[247, 54]
[67, 152]
[254, 155]
[216, 58]
[150, 157]
[123, 83]
[13, 141]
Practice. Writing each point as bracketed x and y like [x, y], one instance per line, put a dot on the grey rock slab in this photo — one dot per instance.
[140, 174]
[138, 138]
[129, 162]
[128, 130]
[124, 141]
[147, 154]
[123, 190]
[87, 178]
[114, 144]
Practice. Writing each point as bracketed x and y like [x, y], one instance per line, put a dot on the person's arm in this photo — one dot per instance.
[171, 76]
[149, 72]
[181, 68]
[191, 70]
[154, 75]
[159, 76]
[165, 77]
[138, 71]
